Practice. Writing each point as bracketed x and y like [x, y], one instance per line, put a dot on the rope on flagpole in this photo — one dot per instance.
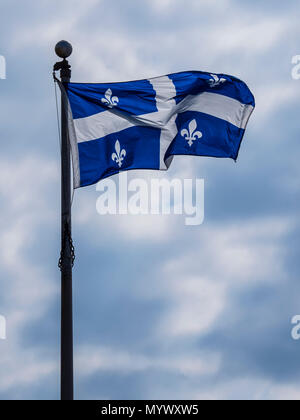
[67, 238]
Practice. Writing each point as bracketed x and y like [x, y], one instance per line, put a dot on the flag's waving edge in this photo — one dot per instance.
[71, 138]
[142, 124]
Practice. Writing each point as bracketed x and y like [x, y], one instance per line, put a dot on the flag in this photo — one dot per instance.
[142, 124]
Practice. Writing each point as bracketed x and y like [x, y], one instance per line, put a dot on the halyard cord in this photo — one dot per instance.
[66, 237]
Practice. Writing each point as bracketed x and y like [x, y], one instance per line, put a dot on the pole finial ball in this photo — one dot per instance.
[63, 49]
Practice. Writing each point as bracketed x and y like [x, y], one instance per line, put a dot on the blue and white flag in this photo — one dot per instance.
[142, 124]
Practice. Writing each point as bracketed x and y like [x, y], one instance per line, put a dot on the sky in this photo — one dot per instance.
[161, 310]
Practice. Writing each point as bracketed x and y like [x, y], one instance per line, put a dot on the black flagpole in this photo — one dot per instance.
[63, 49]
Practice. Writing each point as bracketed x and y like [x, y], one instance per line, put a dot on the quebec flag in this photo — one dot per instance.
[142, 124]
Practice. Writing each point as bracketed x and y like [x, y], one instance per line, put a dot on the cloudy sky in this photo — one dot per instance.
[161, 310]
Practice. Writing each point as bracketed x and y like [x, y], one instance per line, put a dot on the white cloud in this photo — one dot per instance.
[23, 368]
[58, 24]
[168, 6]
[92, 359]
[255, 34]
[193, 305]
[29, 291]
[249, 388]
[195, 285]
[194, 373]
[271, 97]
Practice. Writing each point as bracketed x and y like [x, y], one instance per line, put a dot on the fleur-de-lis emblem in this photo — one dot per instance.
[215, 80]
[110, 100]
[191, 134]
[119, 155]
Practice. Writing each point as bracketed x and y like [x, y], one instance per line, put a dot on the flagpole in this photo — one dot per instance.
[63, 49]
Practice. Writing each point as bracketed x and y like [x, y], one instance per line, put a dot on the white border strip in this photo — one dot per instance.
[165, 103]
[218, 106]
[72, 139]
[108, 122]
